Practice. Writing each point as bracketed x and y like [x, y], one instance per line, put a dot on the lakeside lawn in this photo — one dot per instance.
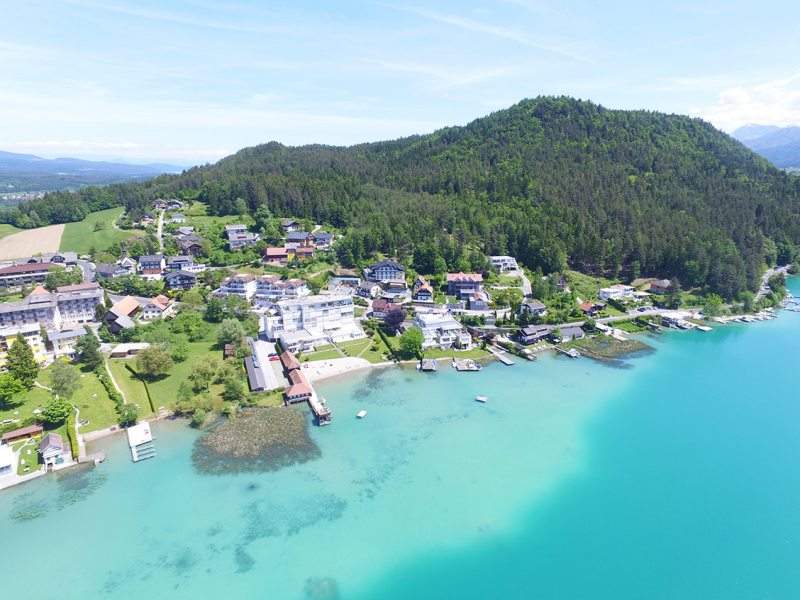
[322, 353]
[473, 353]
[132, 389]
[29, 455]
[96, 232]
[364, 349]
[164, 391]
[91, 399]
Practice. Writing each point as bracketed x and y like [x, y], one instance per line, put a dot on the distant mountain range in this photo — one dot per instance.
[29, 173]
[779, 145]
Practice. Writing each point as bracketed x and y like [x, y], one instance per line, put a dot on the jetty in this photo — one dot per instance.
[301, 390]
[572, 353]
[427, 364]
[500, 355]
[140, 440]
[466, 364]
[320, 409]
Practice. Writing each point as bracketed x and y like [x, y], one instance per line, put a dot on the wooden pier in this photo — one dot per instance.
[428, 365]
[501, 355]
[572, 353]
[320, 410]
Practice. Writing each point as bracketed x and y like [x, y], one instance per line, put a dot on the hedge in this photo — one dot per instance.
[72, 435]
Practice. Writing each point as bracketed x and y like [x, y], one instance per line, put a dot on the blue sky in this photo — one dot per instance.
[191, 81]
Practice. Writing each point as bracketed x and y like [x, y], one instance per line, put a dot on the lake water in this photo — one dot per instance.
[677, 476]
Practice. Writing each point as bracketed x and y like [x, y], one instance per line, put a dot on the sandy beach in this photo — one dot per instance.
[326, 369]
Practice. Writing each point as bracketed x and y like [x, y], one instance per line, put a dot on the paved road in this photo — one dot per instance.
[160, 231]
[764, 288]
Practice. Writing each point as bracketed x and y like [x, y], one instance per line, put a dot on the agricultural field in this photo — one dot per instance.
[95, 233]
[29, 242]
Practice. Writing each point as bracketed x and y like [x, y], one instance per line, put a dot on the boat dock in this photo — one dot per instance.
[140, 440]
[572, 353]
[500, 355]
[427, 364]
[466, 364]
[319, 409]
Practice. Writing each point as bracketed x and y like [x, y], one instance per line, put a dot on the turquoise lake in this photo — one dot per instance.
[673, 476]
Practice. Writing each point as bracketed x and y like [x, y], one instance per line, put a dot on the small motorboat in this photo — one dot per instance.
[361, 414]
[481, 398]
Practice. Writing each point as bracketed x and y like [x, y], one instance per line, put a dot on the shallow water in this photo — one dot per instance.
[675, 478]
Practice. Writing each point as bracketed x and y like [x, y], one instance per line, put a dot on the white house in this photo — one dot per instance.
[504, 263]
[301, 323]
[616, 292]
[52, 450]
[242, 285]
[8, 462]
[442, 330]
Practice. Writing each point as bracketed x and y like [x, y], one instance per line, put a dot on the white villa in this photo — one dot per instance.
[271, 288]
[616, 292]
[504, 263]
[442, 330]
[303, 323]
[241, 285]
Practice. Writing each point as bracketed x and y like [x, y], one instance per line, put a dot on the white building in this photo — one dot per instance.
[271, 288]
[63, 342]
[504, 263]
[616, 292]
[241, 285]
[69, 305]
[303, 323]
[442, 330]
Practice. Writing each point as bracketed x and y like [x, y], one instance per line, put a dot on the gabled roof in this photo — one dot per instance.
[289, 361]
[125, 307]
[26, 268]
[78, 287]
[151, 258]
[297, 235]
[464, 277]
[51, 441]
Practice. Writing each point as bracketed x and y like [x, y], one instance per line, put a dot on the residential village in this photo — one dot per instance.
[223, 314]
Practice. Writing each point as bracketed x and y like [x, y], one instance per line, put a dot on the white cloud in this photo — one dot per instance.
[444, 77]
[178, 19]
[506, 33]
[775, 102]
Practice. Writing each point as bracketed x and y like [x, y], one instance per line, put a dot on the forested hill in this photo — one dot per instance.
[549, 180]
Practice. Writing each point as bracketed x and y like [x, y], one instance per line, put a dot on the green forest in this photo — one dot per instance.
[554, 181]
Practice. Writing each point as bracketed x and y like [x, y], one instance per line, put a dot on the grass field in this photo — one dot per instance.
[322, 353]
[6, 229]
[586, 286]
[132, 388]
[91, 398]
[96, 232]
[164, 391]
[363, 349]
[474, 353]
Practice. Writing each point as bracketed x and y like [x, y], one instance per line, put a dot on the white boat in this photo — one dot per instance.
[361, 414]
[480, 398]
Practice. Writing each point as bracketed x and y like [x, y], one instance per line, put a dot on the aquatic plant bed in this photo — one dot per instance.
[602, 347]
[256, 440]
